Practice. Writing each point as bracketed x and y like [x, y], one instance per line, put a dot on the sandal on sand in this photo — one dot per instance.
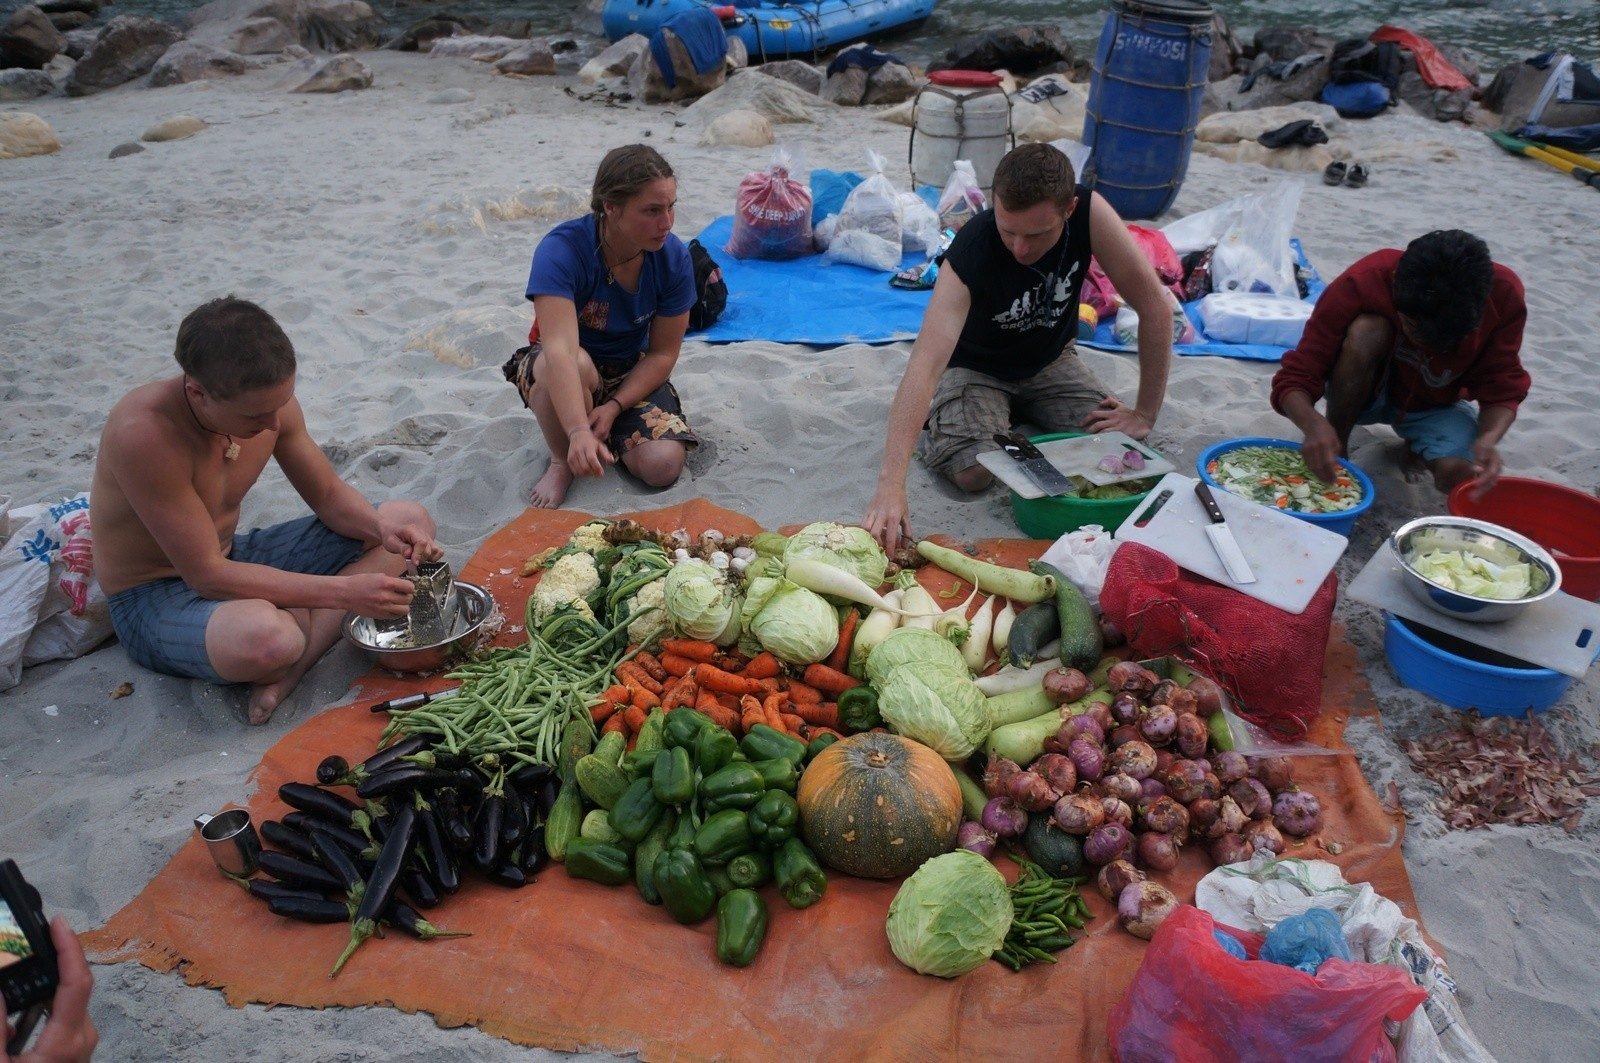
[1334, 173]
[1356, 176]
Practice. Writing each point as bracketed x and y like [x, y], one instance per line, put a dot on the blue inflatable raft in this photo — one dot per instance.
[772, 29]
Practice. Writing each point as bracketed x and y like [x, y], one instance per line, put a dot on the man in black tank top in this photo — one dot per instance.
[996, 344]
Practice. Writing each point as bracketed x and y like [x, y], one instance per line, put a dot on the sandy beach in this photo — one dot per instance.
[390, 234]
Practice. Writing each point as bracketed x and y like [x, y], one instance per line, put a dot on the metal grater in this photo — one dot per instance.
[433, 606]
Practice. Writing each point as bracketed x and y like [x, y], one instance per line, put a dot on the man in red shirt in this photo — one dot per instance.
[1404, 338]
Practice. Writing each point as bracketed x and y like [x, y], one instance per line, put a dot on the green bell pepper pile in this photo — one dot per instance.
[704, 822]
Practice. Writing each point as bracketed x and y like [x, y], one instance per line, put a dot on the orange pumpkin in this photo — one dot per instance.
[876, 805]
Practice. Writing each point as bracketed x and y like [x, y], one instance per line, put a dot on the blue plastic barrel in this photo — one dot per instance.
[1144, 101]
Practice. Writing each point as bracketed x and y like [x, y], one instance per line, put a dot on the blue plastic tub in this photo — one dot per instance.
[1439, 665]
[1145, 89]
[1336, 522]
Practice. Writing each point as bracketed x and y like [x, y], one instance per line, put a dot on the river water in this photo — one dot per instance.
[1498, 31]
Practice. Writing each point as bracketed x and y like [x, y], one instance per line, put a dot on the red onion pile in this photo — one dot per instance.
[1137, 780]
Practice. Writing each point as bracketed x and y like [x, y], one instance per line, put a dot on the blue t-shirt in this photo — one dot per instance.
[613, 323]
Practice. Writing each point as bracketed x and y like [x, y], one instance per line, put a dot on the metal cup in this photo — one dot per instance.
[231, 839]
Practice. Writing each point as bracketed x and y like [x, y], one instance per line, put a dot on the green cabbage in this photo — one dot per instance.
[797, 625]
[950, 916]
[1467, 573]
[940, 707]
[851, 550]
[911, 645]
[699, 601]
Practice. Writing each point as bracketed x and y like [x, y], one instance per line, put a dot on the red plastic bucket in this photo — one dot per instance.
[1562, 520]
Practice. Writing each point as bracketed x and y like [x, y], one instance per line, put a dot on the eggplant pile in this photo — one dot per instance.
[419, 817]
[1136, 776]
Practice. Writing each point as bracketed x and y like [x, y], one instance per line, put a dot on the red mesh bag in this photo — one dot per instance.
[1268, 660]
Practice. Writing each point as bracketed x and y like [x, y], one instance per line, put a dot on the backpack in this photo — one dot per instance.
[710, 290]
[1362, 77]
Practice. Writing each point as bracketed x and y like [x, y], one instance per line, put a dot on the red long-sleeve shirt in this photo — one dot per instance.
[1485, 366]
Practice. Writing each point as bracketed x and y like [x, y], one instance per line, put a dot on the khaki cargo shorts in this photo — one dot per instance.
[970, 407]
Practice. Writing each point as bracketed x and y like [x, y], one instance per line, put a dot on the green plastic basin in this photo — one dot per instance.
[1053, 517]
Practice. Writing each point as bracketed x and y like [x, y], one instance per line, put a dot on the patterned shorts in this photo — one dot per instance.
[970, 407]
[162, 624]
[658, 416]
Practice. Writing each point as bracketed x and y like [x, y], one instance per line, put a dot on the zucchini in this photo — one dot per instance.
[1081, 641]
[600, 780]
[563, 822]
[1033, 627]
[973, 799]
[597, 827]
[1018, 705]
[611, 747]
[1024, 742]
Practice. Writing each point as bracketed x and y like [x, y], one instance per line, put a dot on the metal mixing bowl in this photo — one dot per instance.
[378, 637]
[1471, 533]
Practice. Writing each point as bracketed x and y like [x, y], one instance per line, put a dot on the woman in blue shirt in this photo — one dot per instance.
[611, 296]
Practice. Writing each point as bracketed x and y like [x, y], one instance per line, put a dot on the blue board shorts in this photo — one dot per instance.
[162, 624]
[1442, 432]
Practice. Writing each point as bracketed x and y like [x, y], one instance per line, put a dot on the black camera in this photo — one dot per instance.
[28, 974]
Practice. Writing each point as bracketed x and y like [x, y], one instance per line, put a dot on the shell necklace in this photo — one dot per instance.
[229, 452]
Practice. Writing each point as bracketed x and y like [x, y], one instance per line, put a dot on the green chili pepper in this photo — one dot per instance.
[683, 727]
[765, 743]
[723, 836]
[773, 818]
[750, 870]
[685, 891]
[858, 709]
[714, 749]
[799, 876]
[739, 785]
[637, 810]
[672, 778]
[818, 744]
[741, 927]
[597, 862]
[779, 773]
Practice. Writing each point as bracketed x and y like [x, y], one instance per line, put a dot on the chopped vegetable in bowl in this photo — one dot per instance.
[1279, 477]
[1124, 489]
[1457, 570]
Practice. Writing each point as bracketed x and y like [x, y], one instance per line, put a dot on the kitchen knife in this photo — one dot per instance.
[413, 701]
[1222, 539]
[1047, 477]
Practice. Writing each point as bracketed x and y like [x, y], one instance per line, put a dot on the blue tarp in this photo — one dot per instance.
[810, 300]
[1105, 338]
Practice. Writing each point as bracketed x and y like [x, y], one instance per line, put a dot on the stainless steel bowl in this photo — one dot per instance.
[379, 637]
[1469, 534]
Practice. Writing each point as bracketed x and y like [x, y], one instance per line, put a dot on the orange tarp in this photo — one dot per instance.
[567, 964]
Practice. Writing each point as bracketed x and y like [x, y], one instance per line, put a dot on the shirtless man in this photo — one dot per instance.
[190, 597]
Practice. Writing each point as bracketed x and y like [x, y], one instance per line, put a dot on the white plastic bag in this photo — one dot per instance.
[1258, 895]
[919, 224]
[962, 199]
[1254, 255]
[1083, 557]
[50, 606]
[870, 223]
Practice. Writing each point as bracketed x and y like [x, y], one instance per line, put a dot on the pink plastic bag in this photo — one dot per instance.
[772, 215]
[1192, 1001]
[1098, 290]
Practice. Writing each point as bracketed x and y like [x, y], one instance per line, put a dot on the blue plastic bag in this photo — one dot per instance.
[1304, 941]
[828, 191]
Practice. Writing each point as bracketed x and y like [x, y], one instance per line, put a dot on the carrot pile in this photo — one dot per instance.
[735, 691]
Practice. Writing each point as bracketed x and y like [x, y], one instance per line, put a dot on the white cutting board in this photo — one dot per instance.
[1076, 456]
[1289, 557]
[1561, 633]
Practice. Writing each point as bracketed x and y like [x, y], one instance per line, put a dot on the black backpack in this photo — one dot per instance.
[1358, 59]
[710, 291]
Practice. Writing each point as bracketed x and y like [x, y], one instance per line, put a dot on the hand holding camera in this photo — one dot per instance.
[42, 970]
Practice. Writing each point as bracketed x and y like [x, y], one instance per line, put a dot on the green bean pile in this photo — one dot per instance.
[1047, 910]
[515, 701]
